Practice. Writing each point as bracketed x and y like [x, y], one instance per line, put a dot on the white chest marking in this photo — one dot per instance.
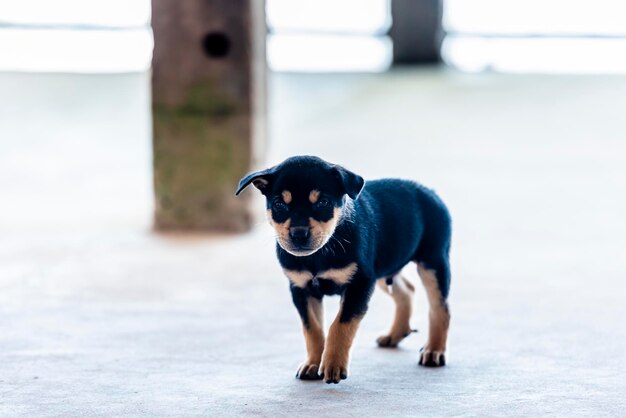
[339, 276]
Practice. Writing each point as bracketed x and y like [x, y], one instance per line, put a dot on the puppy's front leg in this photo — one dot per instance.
[311, 313]
[343, 329]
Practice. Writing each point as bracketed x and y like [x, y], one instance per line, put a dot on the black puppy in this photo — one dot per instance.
[337, 235]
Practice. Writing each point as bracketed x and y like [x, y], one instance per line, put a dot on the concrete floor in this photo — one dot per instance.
[101, 317]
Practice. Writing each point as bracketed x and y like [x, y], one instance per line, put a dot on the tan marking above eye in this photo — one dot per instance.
[314, 196]
[286, 196]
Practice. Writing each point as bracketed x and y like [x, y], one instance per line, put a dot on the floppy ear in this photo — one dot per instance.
[260, 179]
[352, 183]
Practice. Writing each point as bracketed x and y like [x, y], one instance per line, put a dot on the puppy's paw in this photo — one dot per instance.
[392, 340]
[308, 371]
[334, 370]
[432, 358]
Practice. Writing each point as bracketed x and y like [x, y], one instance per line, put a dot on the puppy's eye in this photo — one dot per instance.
[280, 205]
[322, 203]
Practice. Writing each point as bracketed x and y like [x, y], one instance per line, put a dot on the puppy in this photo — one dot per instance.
[337, 235]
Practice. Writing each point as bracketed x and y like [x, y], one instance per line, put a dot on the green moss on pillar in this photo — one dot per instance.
[201, 147]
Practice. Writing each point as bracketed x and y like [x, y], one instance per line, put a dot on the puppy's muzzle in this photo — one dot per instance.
[299, 235]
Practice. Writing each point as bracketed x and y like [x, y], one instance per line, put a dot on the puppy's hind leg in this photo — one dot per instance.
[402, 293]
[436, 282]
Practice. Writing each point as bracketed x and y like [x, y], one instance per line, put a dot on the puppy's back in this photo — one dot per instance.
[391, 214]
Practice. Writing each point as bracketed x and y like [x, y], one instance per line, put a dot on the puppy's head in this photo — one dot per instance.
[305, 198]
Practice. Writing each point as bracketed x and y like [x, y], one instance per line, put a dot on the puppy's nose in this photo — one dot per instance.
[299, 234]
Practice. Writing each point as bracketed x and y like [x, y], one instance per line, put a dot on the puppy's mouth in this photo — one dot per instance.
[301, 250]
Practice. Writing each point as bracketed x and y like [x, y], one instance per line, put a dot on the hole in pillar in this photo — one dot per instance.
[216, 45]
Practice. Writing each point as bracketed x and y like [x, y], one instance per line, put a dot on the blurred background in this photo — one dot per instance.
[133, 283]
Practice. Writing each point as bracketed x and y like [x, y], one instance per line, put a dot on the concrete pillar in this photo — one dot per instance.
[208, 95]
[416, 31]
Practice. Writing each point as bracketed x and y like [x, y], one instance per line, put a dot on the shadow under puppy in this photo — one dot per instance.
[337, 235]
